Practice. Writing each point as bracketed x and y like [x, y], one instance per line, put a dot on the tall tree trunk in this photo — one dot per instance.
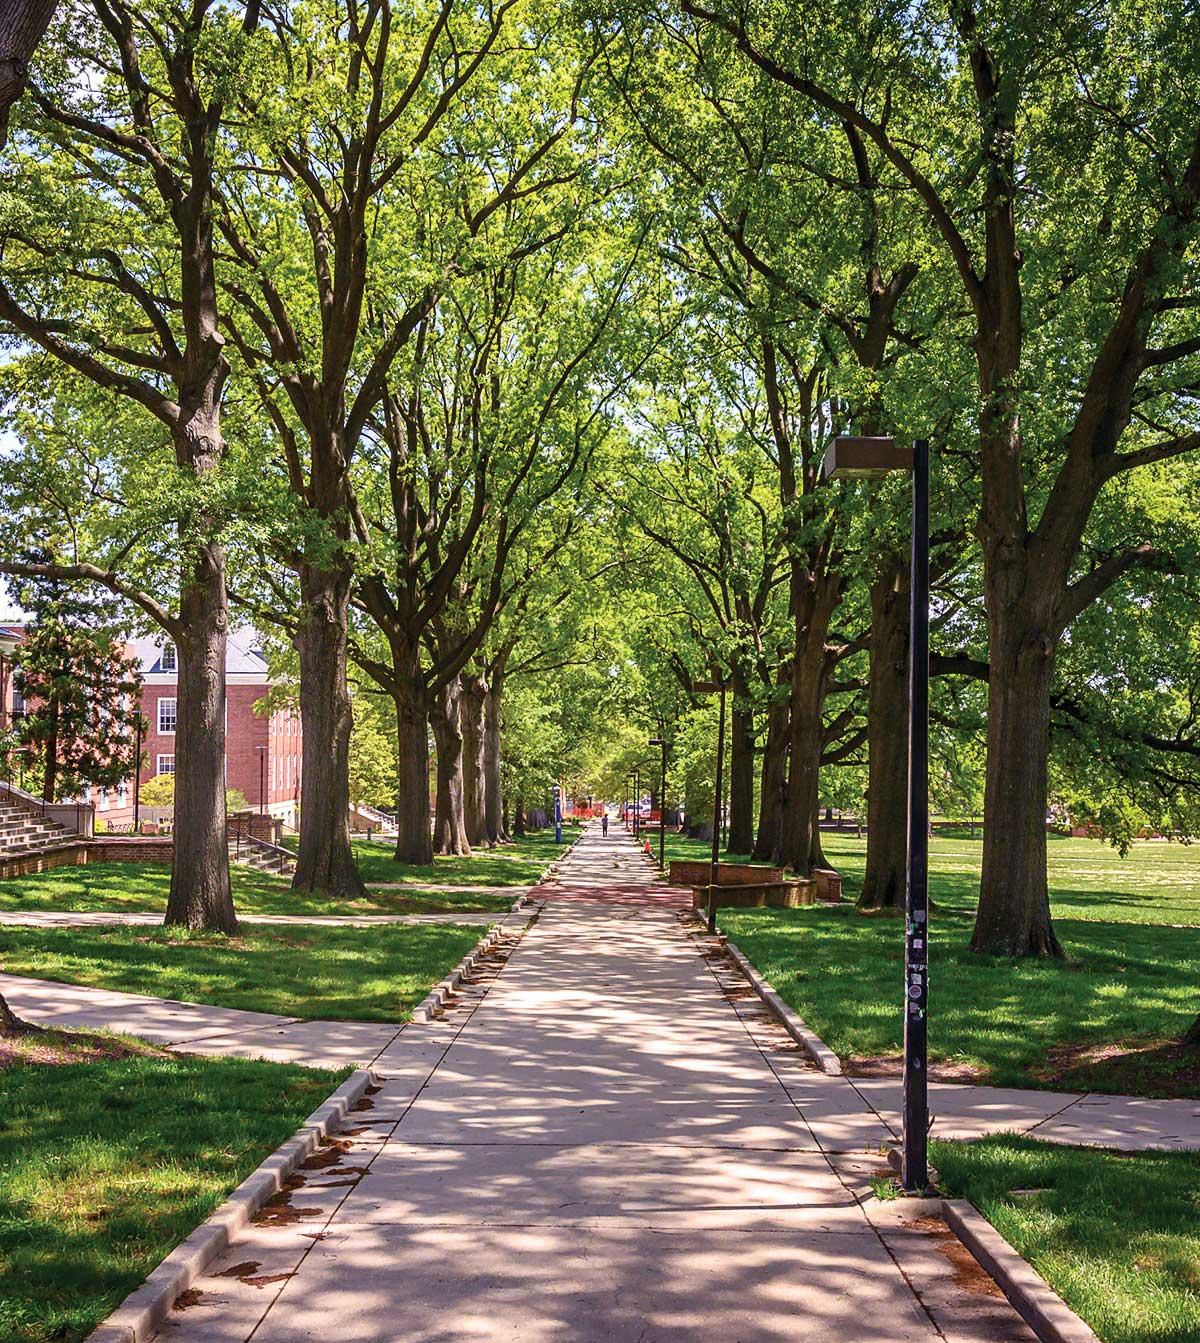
[474, 691]
[887, 743]
[1013, 918]
[324, 861]
[773, 788]
[449, 826]
[414, 833]
[493, 786]
[804, 766]
[519, 818]
[806, 739]
[200, 895]
[741, 778]
[816, 854]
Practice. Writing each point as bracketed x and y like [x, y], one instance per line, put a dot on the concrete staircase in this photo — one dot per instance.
[247, 851]
[24, 830]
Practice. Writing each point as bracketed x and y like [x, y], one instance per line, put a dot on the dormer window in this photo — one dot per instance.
[168, 662]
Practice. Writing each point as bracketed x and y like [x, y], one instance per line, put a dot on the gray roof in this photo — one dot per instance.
[242, 654]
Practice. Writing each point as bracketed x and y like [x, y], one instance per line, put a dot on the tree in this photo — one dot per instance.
[1063, 185]
[81, 691]
[109, 269]
[390, 192]
[818, 316]
[480, 452]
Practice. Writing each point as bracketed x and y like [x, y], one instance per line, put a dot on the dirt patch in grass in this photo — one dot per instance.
[58, 1049]
[969, 1274]
[892, 1065]
[1162, 1068]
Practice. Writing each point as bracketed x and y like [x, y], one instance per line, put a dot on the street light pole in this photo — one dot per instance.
[557, 814]
[915, 1165]
[137, 775]
[637, 802]
[869, 459]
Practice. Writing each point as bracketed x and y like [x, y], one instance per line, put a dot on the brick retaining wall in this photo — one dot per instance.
[119, 849]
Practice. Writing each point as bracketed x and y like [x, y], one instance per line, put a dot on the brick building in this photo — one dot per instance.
[262, 752]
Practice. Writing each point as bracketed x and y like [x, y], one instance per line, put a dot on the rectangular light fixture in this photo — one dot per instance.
[865, 458]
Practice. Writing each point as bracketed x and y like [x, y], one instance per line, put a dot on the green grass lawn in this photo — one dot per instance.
[1105, 1020]
[142, 887]
[519, 863]
[1000, 1021]
[351, 974]
[107, 1163]
[1117, 1236]
[1156, 883]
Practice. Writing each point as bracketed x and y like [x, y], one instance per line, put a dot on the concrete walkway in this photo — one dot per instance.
[612, 1142]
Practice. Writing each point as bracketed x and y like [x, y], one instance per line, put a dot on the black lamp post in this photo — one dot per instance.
[868, 459]
[137, 775]
[637, 802]
[661, 742]
[262, 778]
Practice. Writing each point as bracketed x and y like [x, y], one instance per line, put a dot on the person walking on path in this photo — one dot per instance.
[604, 825]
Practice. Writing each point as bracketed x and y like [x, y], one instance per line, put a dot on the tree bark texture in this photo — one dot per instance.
[885, 878]
[325, 861]
[815, 596]
[449, 827]
[22, 25]
[474, 692]
[11, 1024]
[200, 896]
[773, 786]
[816, 854]
[1013, 918]
[496, 830]
[50, 756]
[414, 832]
[741, 778]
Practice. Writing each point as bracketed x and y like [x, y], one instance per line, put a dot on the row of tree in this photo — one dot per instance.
[409, 341]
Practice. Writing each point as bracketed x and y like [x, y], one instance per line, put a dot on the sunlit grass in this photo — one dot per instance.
[105, 1166]
[1117, 1236]
[842, 972]
[143, 888]
[376, 974]
[1157, 882]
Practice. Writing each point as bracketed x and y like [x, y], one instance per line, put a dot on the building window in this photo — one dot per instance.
[166, 715]
[166, 764]
[168, 661]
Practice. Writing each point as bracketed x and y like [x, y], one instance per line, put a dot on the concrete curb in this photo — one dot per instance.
[143, 1311]
[434, 1003]
[813, 1045]
[1038, 1304]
